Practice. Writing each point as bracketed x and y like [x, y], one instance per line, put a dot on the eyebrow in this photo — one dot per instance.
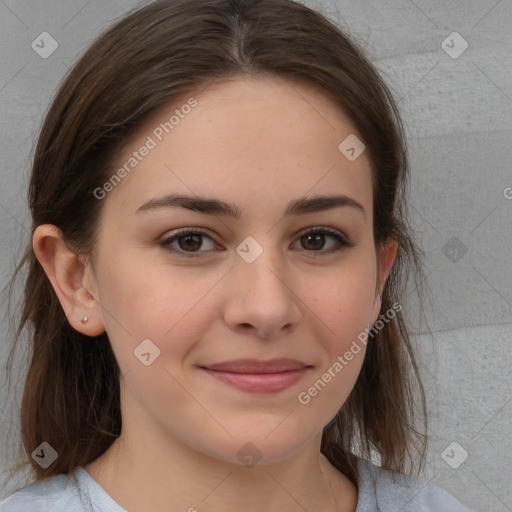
[212, 206]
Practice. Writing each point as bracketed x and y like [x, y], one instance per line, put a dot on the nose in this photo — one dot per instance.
[262, 297]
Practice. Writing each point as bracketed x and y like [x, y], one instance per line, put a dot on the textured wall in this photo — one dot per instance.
[455, 93]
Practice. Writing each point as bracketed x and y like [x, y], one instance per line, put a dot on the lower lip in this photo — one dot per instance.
[259, 382]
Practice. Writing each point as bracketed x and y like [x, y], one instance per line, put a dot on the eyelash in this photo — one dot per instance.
[342, 241]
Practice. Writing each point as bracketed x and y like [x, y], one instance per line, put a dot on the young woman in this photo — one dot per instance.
[215, 275]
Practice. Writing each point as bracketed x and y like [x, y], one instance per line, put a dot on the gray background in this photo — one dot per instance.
[458, 115]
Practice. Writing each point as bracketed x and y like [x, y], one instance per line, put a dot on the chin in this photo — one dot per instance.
[260, 448]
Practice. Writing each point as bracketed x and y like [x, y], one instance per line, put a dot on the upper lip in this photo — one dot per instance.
[258, 366]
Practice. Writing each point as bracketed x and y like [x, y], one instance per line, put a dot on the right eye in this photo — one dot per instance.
[192, 239]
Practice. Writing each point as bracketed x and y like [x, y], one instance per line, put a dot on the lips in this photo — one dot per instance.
[257, 366]
[255, 376]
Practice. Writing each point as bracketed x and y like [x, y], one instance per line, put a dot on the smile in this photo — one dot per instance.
[259, 382]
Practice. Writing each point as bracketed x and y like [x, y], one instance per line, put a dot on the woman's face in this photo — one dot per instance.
[251, 286]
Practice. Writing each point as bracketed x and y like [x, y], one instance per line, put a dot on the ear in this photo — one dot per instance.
[386, 256]
[71, 278]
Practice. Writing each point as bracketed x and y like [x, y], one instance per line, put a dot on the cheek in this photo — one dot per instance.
[169, 306]
[342, 308]
[344, 300]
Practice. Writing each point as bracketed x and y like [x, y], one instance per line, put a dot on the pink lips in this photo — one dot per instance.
[259, 376]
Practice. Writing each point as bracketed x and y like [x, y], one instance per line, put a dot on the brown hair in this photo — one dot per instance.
[71, 396]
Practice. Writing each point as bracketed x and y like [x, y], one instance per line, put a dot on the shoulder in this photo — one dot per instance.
[387, 491]
[54, 493]
[75, 491]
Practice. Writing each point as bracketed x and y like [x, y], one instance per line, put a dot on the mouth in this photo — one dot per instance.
[255, 376]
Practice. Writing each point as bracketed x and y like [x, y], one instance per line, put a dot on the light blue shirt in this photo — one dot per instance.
[79, 492]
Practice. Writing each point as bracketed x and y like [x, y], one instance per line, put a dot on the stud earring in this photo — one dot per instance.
[84, 320]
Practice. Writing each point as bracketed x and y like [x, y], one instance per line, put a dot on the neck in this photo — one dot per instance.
[140, 475]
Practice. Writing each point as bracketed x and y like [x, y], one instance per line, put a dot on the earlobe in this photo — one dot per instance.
[66, 273]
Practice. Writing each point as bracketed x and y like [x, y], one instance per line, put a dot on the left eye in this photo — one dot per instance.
[190, 241]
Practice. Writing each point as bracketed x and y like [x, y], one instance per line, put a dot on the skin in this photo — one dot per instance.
[258, 143]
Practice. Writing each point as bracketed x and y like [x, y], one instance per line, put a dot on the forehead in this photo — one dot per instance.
[247, 140]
